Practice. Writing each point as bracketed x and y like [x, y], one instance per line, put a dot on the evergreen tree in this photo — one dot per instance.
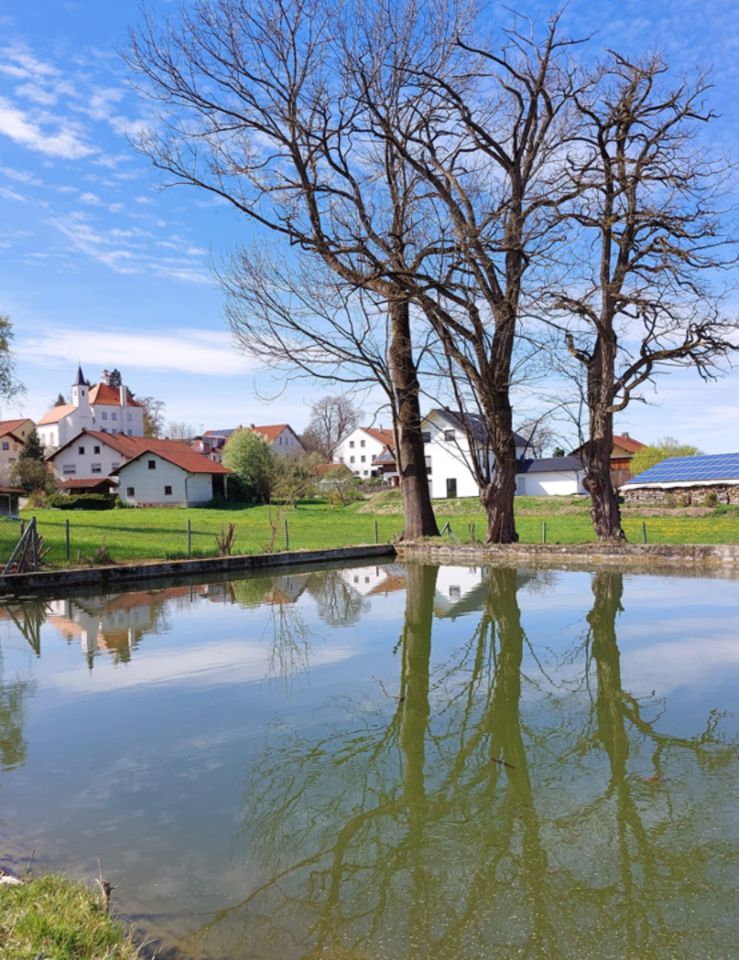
[32, 448]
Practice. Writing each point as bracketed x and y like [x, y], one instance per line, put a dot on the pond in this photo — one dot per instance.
[391, 762]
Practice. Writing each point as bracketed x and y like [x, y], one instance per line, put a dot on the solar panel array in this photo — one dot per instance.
[721, 466]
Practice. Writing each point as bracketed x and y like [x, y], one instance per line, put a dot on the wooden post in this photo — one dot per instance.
[544, 532]
[644, 531]
[287, 536]
[67, 539]
[377, 532]
[189, 537]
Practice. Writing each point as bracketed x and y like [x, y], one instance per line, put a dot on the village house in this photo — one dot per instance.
[100, 407]
[698, 480]
[279, 437]
[362, 449]
[170, 473]
[550, 477]
[13, 434]
[622, 453]
[91, 457]
[448, 456]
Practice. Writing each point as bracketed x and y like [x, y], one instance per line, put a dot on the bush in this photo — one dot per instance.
[81, 501]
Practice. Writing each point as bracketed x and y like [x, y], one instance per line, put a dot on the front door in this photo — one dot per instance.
[451, 488]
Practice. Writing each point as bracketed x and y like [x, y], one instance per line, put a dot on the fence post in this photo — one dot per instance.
[189, 537]
[644, 531]
[544, 532]
[287, 536]
[377, 532]
[67, 539]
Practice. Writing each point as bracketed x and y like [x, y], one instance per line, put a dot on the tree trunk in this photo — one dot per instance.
[417, 510]
[605, 512]
[497, 496]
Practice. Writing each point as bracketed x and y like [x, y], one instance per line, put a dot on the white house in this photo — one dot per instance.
[100, 407]
[170, 473]
[93, 454]
[279, 437]
[360, 451]
[13, 434]
[550, 477]
[447, 450]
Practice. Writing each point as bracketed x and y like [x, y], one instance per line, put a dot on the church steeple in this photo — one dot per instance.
[80, 381]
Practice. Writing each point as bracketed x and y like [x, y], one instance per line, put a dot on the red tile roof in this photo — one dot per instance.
[384, 436]
[627, 443]
[178, 453]
[9, 426]
[127, 446]
[57, 413]
[271, 432]
[103, 393]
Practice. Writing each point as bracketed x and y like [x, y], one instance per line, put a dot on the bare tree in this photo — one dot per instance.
[488, 149]
[261, 110]
[332, 418]
[180, 430]
[648, 242]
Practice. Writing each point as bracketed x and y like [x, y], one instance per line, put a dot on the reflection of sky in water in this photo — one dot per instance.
[142, 758]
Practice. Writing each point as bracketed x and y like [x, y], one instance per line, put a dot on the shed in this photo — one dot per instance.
[688, 480]
[550, 477]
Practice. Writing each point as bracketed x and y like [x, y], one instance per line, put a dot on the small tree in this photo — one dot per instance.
[114, 377]
[657, 452]
[60, 401]
[153, 416]
[9, 385]
[30, 471]
[252, 462]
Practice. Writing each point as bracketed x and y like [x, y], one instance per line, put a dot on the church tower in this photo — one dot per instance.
[81, 393]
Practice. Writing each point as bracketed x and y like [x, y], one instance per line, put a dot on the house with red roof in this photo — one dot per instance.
[624, 448]
[102, 407]
[94, 461]
[13, 435]
[279, 437]
[367, 451]
[170, 473]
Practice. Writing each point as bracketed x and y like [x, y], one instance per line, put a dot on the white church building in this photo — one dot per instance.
[101, 407]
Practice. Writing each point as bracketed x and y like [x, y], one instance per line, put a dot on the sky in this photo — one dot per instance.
[101, 263]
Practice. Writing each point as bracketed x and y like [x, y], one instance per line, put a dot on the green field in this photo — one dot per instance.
[131, 534]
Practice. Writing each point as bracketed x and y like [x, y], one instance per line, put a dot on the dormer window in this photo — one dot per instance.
[449, 435]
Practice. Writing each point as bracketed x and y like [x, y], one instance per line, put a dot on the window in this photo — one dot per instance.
[363, 458]
[81, 451]
[96, 468]
[96, 448]
[129, 416]
[426, 436]
[351, 459]
[68, 469]
[103, 430]
[151, 464]
[114, 415]
[130, 491]
[6, 445]
[361, 443]
[449, 435]
[451, 487]
[351, 444]
[455, 593]
[114, 466]
[167, 491]
[130, 433]
[104, 415]
[428, 466]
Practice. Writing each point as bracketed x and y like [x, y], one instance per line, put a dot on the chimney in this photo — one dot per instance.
[122, 392]
[105, 376]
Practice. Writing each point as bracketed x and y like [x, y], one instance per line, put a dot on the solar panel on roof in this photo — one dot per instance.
[721, 466]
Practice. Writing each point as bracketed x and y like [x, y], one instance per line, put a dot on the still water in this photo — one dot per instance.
[401, 763]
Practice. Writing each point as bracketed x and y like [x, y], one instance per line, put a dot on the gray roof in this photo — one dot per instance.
[458, 419]
[550, 465]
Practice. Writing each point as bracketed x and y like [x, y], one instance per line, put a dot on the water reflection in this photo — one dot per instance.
[466, 824]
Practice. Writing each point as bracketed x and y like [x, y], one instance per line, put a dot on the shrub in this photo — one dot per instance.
[81, 501]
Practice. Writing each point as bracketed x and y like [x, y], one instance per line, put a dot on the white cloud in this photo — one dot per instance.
[9, 194]
[21, 176]
[18, 61]
[66, 142]
[185, 351]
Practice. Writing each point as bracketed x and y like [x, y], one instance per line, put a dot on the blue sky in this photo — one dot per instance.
[101, 265]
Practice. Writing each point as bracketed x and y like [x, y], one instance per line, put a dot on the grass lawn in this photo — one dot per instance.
[55, 918]
[150, 534]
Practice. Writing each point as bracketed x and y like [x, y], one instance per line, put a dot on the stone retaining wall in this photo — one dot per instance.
[683, 496]
[122, 574]
[690, 558]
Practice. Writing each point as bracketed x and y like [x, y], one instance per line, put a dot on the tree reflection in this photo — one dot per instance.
[486, 814]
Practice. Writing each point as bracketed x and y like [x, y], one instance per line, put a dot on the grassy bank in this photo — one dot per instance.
[58, 919]
[152, 534]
